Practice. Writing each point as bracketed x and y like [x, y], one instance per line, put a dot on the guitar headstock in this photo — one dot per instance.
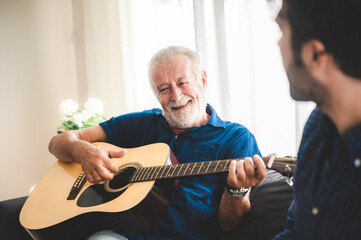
[285, 165]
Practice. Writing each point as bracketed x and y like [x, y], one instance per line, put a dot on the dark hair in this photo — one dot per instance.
[336, 23]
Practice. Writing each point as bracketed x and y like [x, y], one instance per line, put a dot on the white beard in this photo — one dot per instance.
[186, 118]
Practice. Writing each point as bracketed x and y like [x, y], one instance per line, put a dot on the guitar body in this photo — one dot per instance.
[48, 214]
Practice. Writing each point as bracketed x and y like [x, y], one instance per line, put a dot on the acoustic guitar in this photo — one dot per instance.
[64, 205]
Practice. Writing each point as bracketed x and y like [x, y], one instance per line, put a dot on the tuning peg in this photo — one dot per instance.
[289, 180]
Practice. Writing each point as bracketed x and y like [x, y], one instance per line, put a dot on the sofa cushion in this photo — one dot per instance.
[269, 208]
[10, 227]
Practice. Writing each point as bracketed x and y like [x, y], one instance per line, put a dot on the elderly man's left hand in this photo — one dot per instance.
[241, 174]
[247, 172]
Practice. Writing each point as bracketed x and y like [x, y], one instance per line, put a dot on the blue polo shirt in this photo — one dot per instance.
[193, 211]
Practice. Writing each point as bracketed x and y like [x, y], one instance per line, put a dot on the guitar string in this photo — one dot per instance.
[128, 177]
[289, 161]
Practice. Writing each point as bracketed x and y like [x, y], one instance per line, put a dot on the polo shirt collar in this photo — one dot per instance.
[214, 120]
[353, 142]
[351, 138]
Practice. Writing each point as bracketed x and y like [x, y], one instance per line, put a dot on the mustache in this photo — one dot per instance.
[181, 103]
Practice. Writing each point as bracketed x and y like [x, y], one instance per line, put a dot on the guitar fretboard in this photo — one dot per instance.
[180, 170]
[283, 165]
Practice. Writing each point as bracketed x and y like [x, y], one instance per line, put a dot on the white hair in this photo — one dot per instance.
[167, 54]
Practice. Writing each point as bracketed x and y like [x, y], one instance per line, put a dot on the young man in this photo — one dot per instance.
[321, 50]
[194, 132]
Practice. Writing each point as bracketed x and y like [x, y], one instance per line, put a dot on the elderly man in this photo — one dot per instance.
[194, 132]
[321, 53]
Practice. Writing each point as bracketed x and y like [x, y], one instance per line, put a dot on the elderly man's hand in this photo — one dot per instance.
[247, 172]
[96, 162]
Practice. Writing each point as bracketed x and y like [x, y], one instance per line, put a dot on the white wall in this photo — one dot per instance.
[37, 71]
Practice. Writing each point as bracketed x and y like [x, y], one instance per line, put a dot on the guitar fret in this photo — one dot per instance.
[219, 166]
[162, 174]
[151, 172]
[148, 173]
[175, 167]
[200, 167]
[180, 169]
[140, 176]
[145, 175]
[135, 175]
[170, 168]
[208, 166]
[193, 168]
[226, 165]
[185, 171]
[154, 169]
[216, 166]
[156, 176]
[168, 171]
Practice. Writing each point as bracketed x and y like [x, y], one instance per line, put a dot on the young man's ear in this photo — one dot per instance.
[317, 60]
[313, 54]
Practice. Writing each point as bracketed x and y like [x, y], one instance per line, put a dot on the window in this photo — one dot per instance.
[237, 41]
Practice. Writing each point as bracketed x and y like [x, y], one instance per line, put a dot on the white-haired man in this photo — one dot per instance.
[194, 132]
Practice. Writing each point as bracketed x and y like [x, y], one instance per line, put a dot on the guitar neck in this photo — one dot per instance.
[285, 166]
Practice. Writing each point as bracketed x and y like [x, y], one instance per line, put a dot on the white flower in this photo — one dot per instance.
[77, 118]
[94, 106]
[68, 107]
[64, 119]
[73, 118]
[85, 115]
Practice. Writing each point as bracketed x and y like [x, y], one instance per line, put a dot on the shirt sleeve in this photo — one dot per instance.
[128, 130]
[245, 145]
[288, 232]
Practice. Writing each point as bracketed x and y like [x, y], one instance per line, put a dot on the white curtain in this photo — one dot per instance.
[237, 41]
[98, 53]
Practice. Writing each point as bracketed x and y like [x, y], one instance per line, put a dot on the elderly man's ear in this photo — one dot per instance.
[204, 78]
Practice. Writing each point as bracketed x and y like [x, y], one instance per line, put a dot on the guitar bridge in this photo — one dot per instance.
[79, 183]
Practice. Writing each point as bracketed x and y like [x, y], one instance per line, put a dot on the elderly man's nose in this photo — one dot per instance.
[176, 94]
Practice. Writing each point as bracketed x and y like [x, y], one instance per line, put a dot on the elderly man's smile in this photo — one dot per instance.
[181, 107]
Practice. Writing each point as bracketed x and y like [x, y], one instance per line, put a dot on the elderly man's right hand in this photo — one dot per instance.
[75, 146]
[97, 162]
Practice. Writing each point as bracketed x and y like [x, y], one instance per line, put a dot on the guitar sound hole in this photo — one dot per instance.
[96, 195]
[122, 178]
